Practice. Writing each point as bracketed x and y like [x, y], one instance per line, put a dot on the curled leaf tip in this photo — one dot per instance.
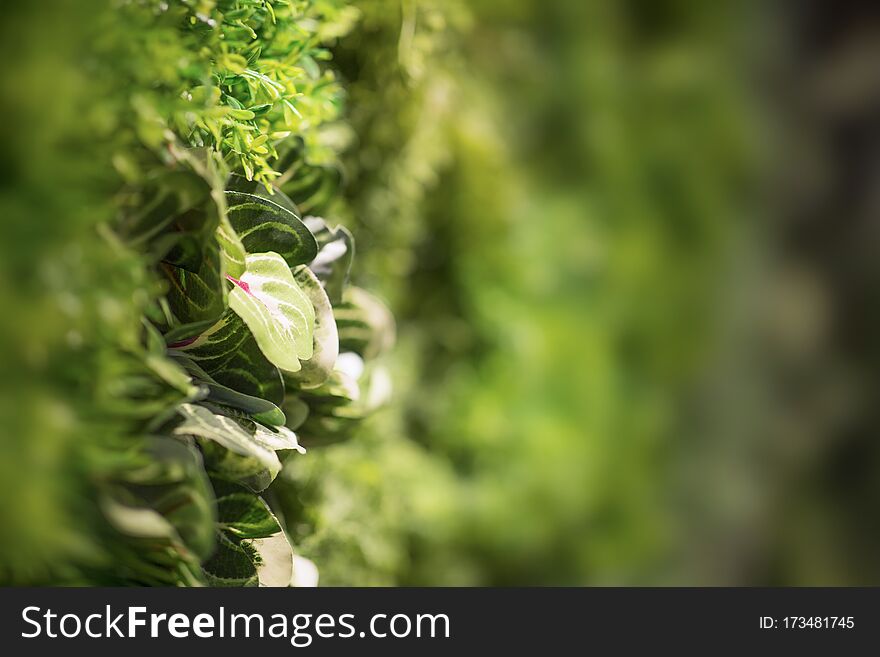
[242, 284]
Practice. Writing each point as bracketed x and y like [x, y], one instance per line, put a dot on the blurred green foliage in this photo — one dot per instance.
[142, 229]
[560, 206]
[571, 206]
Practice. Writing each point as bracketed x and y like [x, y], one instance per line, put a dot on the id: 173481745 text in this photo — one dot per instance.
[807, 622]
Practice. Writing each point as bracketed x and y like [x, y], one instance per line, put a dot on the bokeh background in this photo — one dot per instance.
[632, 251]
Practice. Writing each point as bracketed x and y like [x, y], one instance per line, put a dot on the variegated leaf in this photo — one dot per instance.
[152, 212]
[260, 409]
[171, 482]
[334, 410]
[312, 187]
[196, 296]
[364, 323]
[278, 313]
[228, 352]
[231, 248]
[252, 547]
[266, 225]
[316, 369]
[248, 439]
[162, 506]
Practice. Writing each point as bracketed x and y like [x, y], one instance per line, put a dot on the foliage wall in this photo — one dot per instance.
[187, 323]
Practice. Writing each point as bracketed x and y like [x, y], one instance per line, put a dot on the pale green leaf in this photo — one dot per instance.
[275, 309]
[276, 559]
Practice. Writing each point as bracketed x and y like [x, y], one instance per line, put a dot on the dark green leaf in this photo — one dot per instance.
[264, 225]
[198, 296]
[247, 449]
[252, 548]
[229, 353]
[260, 409]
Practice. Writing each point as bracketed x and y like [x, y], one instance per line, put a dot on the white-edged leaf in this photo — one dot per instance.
[275, 565]
[278, 438]
[317, 369]
[252, 548]
[335, 253]
[275, 309]
[200, 422]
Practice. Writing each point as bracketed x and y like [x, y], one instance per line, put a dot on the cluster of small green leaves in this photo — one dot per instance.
[234, 76]
[254, 345]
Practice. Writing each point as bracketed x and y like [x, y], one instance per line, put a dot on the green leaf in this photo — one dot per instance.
[238, 436]
[161, 506]
[168, 478]
[316, 369]
[365, 324]
[153, 211]
[310, 65]
[200, 422]
[262, 410]
[245, 515]
[313, 188]
[155, 358]
[265, 225]
[184, 333]
[228, 352]
[252, 547]
[295, 411]
[248, 471]
[231, 248]
[335, 253]
[185, 250]
[139, 386]
[275, 309]
[201, 295]
[337, 407]
[232, 564]
[334, 411]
